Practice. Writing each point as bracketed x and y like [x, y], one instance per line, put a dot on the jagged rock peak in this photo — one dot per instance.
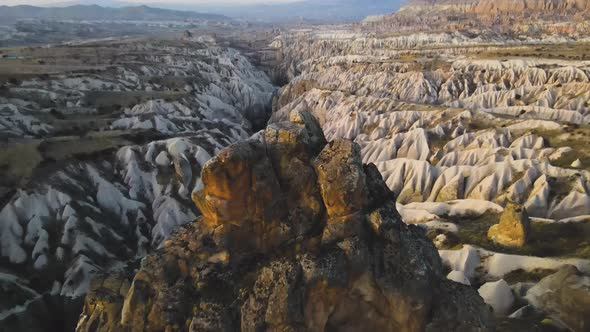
[296, 235]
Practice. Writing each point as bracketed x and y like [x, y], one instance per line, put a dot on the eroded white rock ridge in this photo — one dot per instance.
[172, 106]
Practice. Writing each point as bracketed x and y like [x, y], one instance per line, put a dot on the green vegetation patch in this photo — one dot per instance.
[437, 142]
[537, 323]
[563, 51]
[369, 128]
[475, 231]
[575, 137]
[62, 148]
[547, 239]
[112, 101]
[176, 82]
[18, 162]
[521, 275]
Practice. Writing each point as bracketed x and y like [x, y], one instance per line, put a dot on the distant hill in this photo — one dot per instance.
[309, 10]
[102, 3]
[327, 10]
[323, 11]
[95, 12]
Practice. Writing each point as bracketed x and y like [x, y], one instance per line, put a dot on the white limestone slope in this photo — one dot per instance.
[430, 154]
[93, 215]
[455, 137]
[450, 127]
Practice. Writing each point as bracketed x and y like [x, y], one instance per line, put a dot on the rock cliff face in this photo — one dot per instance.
[504, 15]
[492, 7]
[296, 234]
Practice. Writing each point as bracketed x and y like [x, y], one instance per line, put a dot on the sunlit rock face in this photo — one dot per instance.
[96, 212]
[340, 259]
[514, 227]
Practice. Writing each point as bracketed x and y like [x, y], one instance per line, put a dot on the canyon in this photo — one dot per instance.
[425, 170]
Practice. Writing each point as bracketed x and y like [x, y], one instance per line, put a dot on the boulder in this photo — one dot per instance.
[183, 170]
[458, 276]
[514, 227]
[456, 300]
[498, 295]
[564, 295]
[466, 260]
[577, 164]
[296, 235]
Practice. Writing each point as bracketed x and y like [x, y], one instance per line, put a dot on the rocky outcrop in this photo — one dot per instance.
[564, 295]
[514, 227]
[296, 234]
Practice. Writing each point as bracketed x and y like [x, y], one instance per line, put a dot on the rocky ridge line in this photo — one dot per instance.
[296, 234]
[494, 7]
[512, 17]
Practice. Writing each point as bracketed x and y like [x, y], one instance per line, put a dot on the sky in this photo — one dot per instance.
[199, 2]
